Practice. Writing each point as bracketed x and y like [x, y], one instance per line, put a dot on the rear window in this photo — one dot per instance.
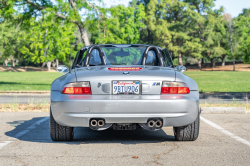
[123, 55]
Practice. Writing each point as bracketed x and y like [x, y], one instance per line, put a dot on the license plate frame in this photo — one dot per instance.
[124, 93]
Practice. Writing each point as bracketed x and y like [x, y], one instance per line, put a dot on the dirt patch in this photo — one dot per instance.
[227, 105]
[24, 107]
[24, 68]
[238, 67]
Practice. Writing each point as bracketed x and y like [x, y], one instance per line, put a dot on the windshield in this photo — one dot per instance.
[123, 55]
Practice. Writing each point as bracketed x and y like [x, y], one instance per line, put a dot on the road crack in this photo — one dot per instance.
[158, 156]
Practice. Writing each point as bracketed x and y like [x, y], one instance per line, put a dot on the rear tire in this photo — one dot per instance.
[189, 132]
[59, 132]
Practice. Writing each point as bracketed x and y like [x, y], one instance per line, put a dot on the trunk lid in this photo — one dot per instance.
[101, 78]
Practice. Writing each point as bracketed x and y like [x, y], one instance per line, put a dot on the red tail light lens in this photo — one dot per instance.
[125, 68]
[77, 90]
[80, 88]
[174, 88]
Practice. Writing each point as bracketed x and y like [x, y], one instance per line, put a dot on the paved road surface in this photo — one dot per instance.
[25, 140]
[25, 99]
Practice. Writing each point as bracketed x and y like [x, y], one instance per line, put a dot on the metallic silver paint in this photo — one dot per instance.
[77, 110]
[175, 110]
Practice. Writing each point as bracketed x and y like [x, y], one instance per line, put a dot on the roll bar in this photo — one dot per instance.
[158, 54]
[88, 55]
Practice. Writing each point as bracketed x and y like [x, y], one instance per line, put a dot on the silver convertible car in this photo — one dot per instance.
[124, 87]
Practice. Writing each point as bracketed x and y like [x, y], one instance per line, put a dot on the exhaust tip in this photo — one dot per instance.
[151, 123]
[93, 123]
[100, 123]
[158, 123]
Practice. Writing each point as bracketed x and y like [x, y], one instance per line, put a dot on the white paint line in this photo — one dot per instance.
[225, 131]
[34, 125]
[21, 133]
[4, 144]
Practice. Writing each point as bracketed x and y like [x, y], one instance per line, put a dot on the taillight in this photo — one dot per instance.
[80, 88]
[174, 88]
[125, 68]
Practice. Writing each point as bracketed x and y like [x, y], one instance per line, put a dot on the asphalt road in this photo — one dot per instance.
[25, 140]
[40, 99]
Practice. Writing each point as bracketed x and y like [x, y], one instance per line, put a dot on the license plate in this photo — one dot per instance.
[126, 87]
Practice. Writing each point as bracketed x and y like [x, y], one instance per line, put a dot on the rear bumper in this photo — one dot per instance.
[76, 111]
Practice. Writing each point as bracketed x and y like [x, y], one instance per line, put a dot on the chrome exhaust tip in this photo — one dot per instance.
[100, 123]
[158, 123]
[151, 123]
[93, 122]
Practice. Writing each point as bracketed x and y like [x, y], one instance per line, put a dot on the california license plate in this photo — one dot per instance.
[126, 87]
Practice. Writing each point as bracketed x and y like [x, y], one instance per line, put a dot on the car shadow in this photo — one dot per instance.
[85, 135]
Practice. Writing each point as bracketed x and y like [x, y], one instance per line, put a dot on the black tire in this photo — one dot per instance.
[59, 132]
[189, 132]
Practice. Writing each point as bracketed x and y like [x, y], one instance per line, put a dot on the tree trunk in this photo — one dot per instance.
[213, 61]
[43, 65]
[202, 61]
[199, 64]
[12, 63]
[84, 35]
[6, 62]
[234, 64]
[223, 60]
[48, 65]
[180, 59]
[57, 63]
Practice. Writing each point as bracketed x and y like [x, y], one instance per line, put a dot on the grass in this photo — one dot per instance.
[208, 81]
[221, 81]
[27, 81]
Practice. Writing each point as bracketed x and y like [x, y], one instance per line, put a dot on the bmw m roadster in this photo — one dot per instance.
[124, 87]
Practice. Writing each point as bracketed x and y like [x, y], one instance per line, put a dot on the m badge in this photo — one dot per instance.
[156, 84]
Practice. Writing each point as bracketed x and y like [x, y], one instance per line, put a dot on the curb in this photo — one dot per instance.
[223, 110]
[224, 95]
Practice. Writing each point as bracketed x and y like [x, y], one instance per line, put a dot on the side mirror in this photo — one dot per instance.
[62, 69]
[180, 68]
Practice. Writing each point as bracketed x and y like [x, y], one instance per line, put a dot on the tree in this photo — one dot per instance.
[122, 27]
[11, 39]
[182, 27]
[214, 36]
[202, 7]
[70, 11]
[242, 26]
[49, 38]
[156, 30]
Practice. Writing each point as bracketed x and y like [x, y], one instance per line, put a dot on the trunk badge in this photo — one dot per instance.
[126, 72]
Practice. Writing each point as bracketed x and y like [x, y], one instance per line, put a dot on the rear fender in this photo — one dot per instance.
[64, 79]
[180, 77]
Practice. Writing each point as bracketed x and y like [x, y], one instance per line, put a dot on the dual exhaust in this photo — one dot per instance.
[97, 123]
[153, 123]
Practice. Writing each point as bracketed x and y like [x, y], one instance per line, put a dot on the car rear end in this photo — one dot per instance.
[121, 97]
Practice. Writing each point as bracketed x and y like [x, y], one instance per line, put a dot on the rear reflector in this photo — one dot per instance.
[174, 88]
[125, 68]
[80, 88]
